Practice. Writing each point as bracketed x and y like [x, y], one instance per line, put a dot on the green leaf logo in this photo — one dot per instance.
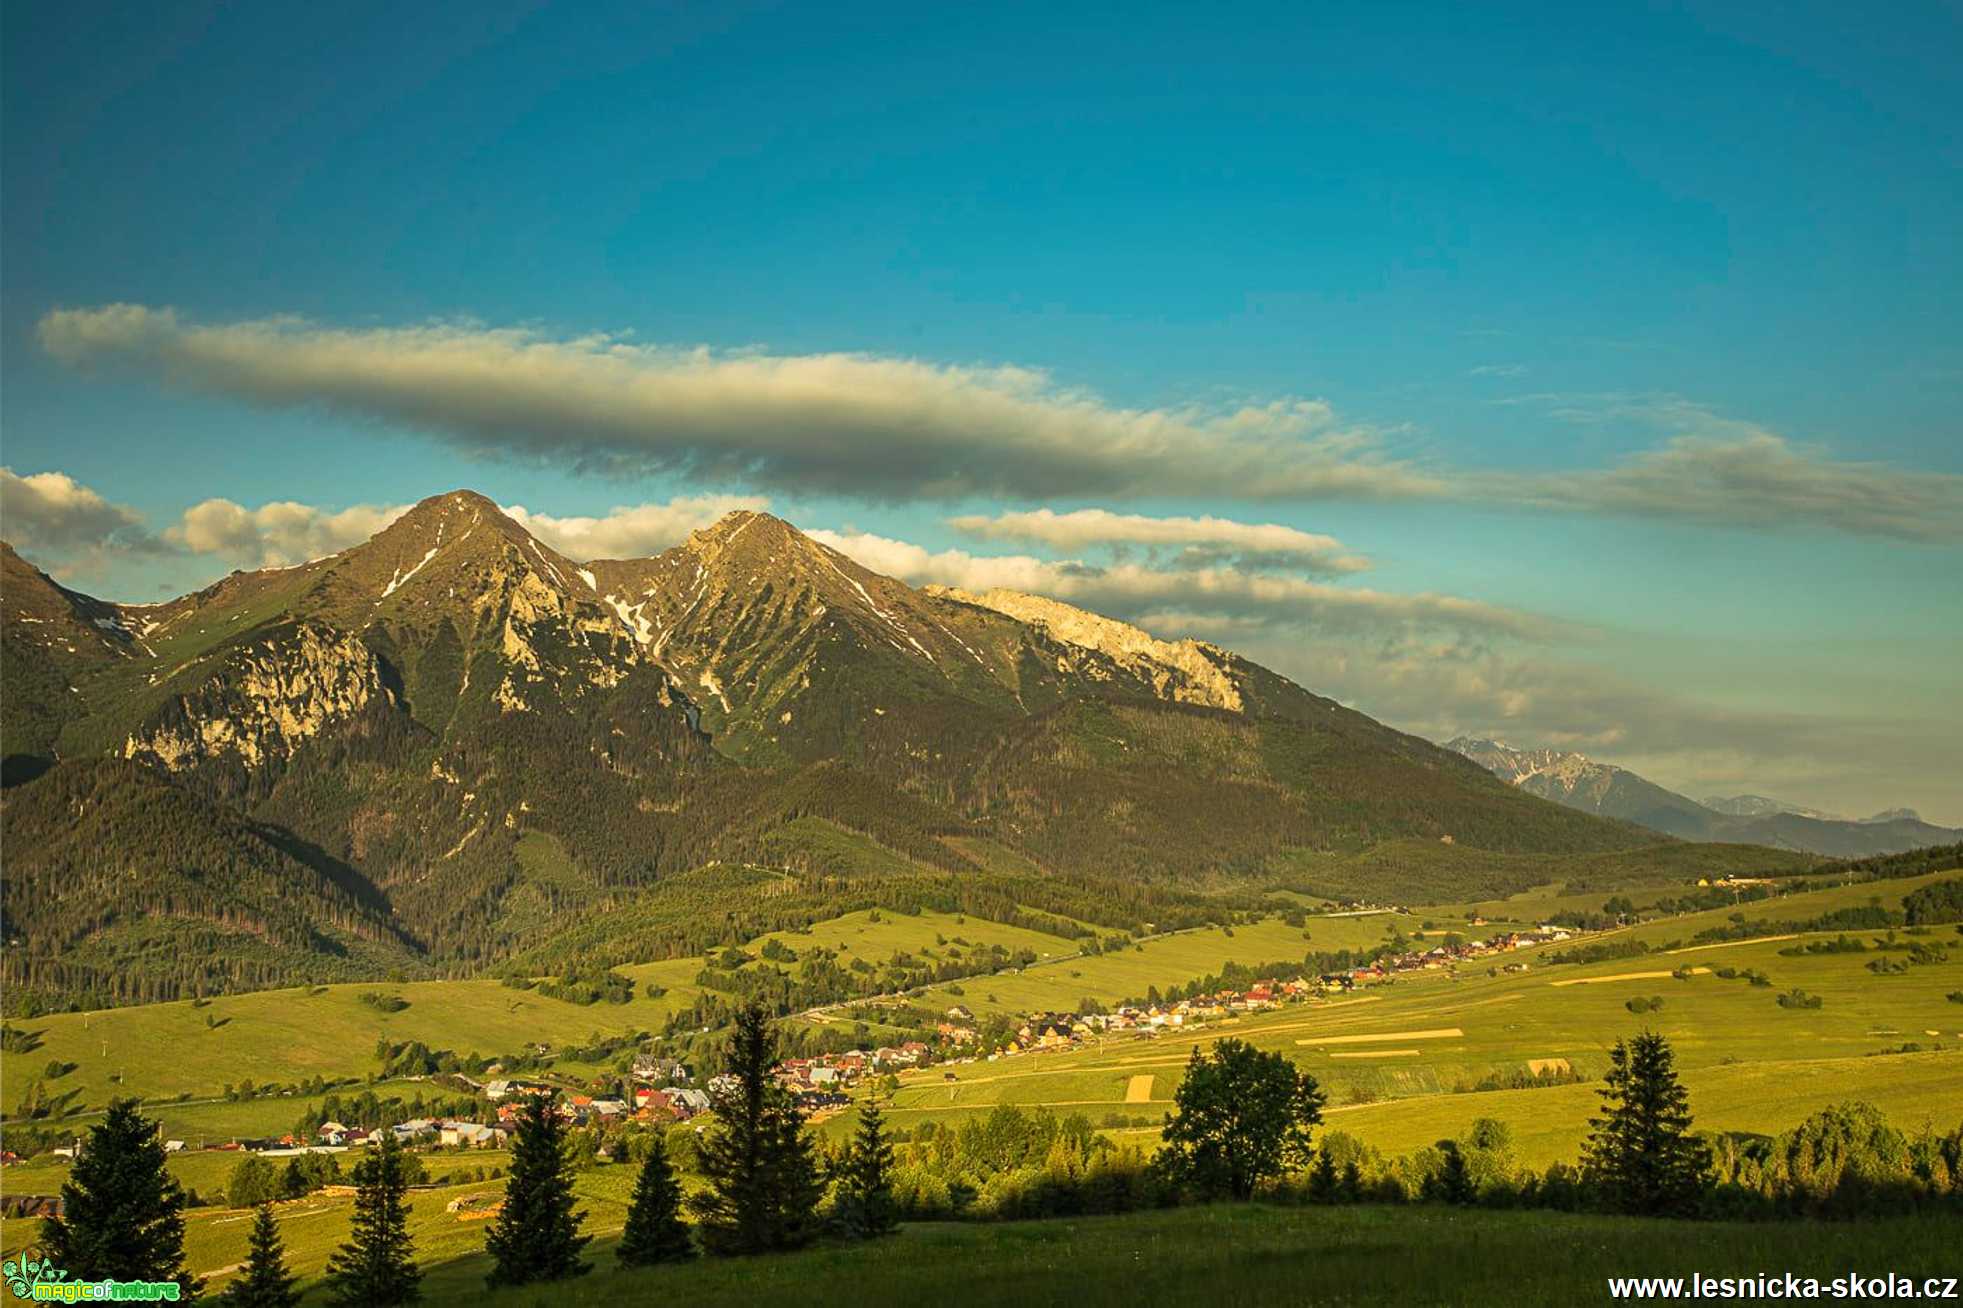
[24, 1273]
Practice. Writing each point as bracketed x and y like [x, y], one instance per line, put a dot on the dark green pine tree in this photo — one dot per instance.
[122, 1213]
[376, 1268]
[1641, 1157]
[265, 1283]
[865, 1195]
[655, 1231]
[763, 1180]
[536, 1236]
[1324, 1183]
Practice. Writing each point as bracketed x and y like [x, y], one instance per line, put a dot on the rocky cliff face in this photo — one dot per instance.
[1184, 672]
[266, 699]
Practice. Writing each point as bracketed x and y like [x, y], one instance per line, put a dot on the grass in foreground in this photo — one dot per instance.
[1249, 1255]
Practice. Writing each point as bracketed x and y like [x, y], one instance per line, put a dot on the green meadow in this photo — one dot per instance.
[181, 1056]
[209, 1171]
[1400, 1061]
[1250, 1254]
[1162, 961]
[876, 936]
[195, 1049]
[161, 1051]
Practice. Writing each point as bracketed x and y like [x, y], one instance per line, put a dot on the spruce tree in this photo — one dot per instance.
[1324, 1183]
[763, 1179]
[265, 1282]
[865, 1198]
[122, 1213]
[536, 1236]
[1641, 1157]
[655, 1231]
[376, 1268]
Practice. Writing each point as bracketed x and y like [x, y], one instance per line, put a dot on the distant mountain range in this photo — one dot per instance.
[451, 746]
[1609, 791]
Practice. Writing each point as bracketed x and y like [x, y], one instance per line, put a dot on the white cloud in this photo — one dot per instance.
[631, 531]
[896, 428]
[1762, 481]
[1730, 472]
[277, 534]
[1199, 540]
[1146, 594]
[65, 524]
[286, 532]
[845, 423]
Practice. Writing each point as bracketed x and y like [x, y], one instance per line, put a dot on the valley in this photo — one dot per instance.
[1750, 1065]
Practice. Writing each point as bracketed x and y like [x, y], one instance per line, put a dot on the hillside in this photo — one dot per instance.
[1580, 782]
[460, 747]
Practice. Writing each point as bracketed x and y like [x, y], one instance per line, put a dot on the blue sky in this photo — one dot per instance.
[1624, 347]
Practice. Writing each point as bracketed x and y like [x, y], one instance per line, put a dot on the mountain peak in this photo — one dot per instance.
[463, 508]
[752, 530]
[1755, 806]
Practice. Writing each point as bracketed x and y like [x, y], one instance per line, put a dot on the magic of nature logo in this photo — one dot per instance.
[35, 1277]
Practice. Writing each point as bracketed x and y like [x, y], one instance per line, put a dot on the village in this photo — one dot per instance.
[661, 1090]
[960, 1038]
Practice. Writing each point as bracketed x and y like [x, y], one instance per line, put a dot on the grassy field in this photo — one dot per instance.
[1223, 1255]
[163, 1051]
[1162, 961]
[159, 1051]
[1429, 872]
[877, 936]
[167, 1050]
[201, 1122]
[1394, 1057]
[209, 1171]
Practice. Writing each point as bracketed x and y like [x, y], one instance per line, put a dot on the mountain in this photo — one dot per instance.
[450, 747]
[1601, 788]
[795, 652]
[53, 637]
[1579, 782]
[1763, 806]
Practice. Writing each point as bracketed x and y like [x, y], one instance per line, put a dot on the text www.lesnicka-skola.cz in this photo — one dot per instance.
[1784, 1285]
